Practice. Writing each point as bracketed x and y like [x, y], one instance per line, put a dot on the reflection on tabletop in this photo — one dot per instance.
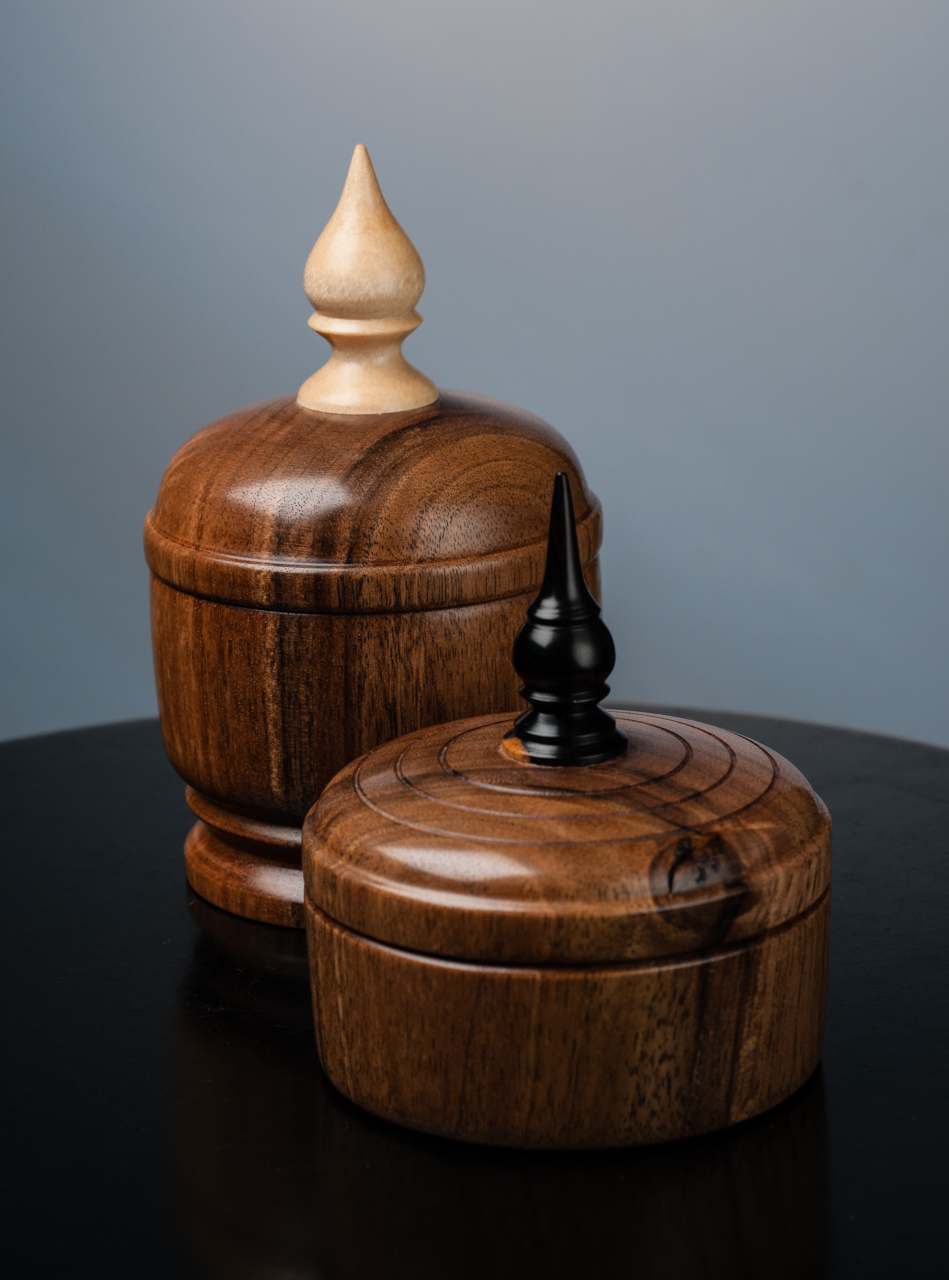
[282, 1177]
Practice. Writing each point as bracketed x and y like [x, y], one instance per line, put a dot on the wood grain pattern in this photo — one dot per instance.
[245, 878]
[322, 583]
[259, 709]
[281, 1175]
[570, 1058]
[442, 843]
[283, 508]
[568, 957]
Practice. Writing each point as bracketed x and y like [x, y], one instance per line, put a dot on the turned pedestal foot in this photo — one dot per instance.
[245, 865]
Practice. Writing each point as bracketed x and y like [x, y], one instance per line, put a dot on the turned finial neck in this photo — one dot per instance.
[363, 279]
[563, 653]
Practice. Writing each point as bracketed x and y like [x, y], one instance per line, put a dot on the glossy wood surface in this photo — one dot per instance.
[570, 1057]
[325, 582]
[286, 508]
[259, 709]
[442, 843]
[539, 956]
[373, 1200]
[246, 877]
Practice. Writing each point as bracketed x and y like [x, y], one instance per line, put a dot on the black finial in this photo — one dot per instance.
[563, 653]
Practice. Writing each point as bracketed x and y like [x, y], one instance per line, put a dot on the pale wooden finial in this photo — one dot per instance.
[363, 279]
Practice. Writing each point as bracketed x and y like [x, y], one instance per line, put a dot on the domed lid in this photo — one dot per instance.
[485, 839]
[370, 491]
[287, 508]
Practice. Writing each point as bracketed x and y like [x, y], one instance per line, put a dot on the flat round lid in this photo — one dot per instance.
[440, 843]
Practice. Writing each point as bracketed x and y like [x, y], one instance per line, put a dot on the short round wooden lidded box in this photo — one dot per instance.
[509, 949]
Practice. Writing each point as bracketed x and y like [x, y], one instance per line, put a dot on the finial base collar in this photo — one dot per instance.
[564, 735]
[367, 372]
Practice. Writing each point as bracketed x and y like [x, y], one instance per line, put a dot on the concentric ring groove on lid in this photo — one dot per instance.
[440, 843]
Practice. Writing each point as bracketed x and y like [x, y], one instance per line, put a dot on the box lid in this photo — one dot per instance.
[440, 842]
[285, 507]
[563, 835]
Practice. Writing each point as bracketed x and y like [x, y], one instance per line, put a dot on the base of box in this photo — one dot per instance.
[244, 865]
[570, 1057]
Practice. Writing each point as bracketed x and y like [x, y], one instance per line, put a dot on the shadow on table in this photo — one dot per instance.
[281, 1177]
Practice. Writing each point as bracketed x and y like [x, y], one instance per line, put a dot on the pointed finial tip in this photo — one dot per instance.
[363, 279]
[363, 266]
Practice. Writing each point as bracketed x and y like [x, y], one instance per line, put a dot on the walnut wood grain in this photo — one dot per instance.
[324, 582]
[239, 876]
[570, 1058]
[529, 955]
[442, 843]
[271, 1156]
[285, 508]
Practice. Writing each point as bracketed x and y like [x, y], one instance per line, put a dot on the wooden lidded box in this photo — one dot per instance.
[542, 933]
[334, 569]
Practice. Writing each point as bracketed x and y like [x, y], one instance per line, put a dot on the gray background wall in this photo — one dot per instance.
[706, 239]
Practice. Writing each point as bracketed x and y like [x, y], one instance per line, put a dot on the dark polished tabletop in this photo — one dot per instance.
[166, 1114]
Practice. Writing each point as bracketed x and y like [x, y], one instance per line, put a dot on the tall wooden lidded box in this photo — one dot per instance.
[335, 569]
